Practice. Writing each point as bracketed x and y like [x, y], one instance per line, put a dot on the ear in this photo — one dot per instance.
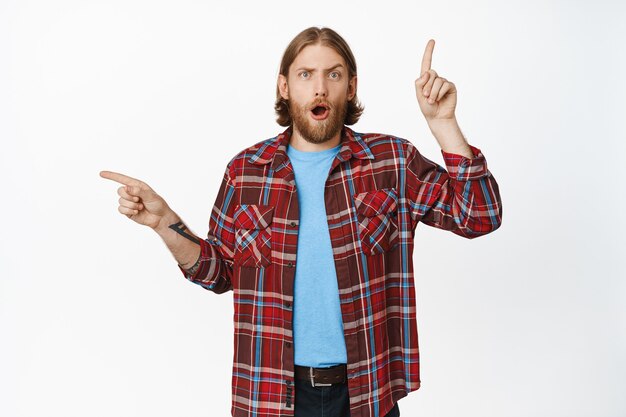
[283, 87]
[352, 88]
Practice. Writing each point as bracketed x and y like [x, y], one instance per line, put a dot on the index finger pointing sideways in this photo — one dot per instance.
[121, 178]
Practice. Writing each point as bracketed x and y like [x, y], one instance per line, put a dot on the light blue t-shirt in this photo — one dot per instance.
[317, 324]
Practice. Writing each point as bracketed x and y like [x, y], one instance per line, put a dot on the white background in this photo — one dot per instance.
[97, 320]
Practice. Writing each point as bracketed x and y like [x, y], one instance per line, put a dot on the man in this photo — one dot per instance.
[313, 231]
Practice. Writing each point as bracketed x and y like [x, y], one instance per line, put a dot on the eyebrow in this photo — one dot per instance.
[327, 69]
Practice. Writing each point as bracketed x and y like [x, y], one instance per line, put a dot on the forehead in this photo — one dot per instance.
[317, 56]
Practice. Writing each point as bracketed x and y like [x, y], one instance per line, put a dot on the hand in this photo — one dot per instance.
[138, 201]
[436, 95]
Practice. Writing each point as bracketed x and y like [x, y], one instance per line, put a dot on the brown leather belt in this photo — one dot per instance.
[322, 376]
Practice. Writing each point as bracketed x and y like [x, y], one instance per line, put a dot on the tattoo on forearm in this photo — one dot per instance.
[180, 229]
[194, 268]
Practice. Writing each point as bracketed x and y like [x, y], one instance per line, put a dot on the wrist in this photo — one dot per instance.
[169, 218]
[446, 130]
[449, 135]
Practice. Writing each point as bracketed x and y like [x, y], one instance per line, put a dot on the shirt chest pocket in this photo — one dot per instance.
[253, 235]
[377, 217]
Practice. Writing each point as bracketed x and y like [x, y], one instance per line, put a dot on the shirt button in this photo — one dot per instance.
[293, 224]
[287, 304]
[288, 344]
[290, 264]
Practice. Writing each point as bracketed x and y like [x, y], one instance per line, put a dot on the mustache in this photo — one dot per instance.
[320, 103]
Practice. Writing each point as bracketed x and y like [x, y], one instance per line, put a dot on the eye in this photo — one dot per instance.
[336, 73]
[303, 73]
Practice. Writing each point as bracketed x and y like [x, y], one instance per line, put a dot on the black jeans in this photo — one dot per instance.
[326, 401]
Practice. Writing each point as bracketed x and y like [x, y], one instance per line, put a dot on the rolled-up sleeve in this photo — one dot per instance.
[464, 199]
[217, 250]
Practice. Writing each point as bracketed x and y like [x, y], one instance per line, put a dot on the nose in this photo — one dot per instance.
[320, 87]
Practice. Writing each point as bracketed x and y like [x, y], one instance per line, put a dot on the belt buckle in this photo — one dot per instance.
[316, 384]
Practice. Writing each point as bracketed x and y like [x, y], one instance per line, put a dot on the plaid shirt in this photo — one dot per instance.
[378, 189]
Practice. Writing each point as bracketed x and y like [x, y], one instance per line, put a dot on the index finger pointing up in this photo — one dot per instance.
[428, 56]
[121, 178]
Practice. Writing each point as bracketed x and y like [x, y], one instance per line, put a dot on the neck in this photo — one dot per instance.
[299, 143]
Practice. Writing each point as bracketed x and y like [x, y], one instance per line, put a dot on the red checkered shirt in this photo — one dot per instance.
[379, 187]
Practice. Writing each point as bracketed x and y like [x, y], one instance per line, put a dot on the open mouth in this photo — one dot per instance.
[320, 112]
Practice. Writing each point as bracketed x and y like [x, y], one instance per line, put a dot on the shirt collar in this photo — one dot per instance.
[275, 149]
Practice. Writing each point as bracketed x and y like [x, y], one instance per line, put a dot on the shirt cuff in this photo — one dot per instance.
[462, 168]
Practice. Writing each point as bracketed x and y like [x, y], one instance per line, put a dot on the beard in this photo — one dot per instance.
[318, 131]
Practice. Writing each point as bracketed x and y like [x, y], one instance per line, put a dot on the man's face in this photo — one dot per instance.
[318, 77]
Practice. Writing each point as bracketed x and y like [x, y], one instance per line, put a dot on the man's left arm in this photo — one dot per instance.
[464, 199]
